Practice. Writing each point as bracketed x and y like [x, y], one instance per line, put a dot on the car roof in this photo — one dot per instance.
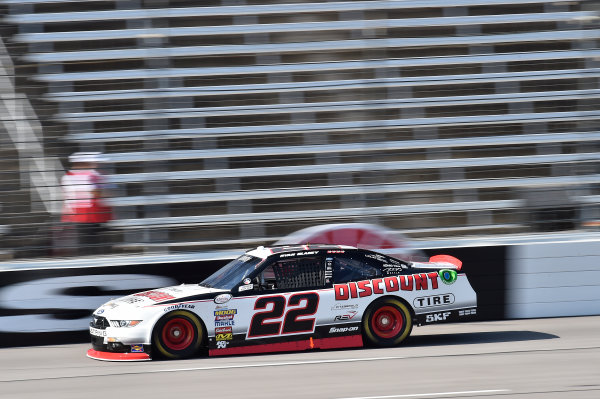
[265, 252]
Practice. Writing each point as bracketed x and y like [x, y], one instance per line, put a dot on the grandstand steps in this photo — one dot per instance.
[29, 233]
[10, 173]
[23, 231]
[16, 203]
[227, 124]
[10, 176]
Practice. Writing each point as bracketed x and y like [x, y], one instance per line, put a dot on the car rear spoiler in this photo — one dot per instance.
[439, 262]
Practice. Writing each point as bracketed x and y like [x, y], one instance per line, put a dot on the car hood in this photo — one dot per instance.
[174, 294]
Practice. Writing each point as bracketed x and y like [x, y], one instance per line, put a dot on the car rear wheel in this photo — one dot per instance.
[387, 322]
[178, 335]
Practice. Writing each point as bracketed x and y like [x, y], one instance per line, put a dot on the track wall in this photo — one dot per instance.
[553, 279]
[54, 305]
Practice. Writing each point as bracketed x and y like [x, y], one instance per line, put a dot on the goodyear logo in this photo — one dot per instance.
[225, 312]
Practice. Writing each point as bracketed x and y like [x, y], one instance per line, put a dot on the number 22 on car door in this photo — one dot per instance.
[283, 315]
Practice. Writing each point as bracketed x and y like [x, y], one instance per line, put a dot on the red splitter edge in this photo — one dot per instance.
[117, 357]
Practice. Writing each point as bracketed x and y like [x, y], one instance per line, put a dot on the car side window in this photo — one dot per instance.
[388, 265]
[294, 273]
[349, 269]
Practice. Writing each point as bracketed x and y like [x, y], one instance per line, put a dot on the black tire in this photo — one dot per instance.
[387, 322]
[178, 335]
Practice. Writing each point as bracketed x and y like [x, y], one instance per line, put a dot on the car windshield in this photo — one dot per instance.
[232, 273]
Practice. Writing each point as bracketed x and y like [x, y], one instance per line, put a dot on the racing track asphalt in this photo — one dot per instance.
[529, 359]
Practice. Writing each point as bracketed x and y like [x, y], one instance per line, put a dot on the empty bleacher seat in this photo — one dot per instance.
[228, 124]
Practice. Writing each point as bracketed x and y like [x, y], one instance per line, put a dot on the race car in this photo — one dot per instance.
[286, 298]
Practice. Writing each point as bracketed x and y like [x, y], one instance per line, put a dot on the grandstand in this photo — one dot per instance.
[232, 123]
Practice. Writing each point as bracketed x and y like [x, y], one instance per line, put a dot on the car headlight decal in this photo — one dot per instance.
[124, 323]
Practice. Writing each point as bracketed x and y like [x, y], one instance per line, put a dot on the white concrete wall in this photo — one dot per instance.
[553, 279]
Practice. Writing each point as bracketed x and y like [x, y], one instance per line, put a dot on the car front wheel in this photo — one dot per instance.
[178, 335]
[387, 322]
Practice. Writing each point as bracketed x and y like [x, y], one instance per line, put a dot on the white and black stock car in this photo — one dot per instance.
[285, 299]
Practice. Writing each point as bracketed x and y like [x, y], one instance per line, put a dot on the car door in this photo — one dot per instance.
[284, 300]
[349, 268]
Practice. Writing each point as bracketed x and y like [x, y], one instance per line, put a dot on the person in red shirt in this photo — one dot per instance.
[85, 210]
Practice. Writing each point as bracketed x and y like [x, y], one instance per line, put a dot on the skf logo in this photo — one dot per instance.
[432, 318]
[413, 282]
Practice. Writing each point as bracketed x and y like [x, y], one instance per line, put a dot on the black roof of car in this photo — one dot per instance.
[307, 247]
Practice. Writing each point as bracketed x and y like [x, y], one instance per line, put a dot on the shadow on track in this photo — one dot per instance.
[477, 338]
[484, 337]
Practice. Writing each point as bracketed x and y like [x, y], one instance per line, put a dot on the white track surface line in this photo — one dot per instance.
[277, 364]
[424, 395]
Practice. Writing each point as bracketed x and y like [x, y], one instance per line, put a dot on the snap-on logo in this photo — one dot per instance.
[334, 330]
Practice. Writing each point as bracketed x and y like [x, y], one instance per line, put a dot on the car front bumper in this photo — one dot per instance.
[117, 351]
[116, 344]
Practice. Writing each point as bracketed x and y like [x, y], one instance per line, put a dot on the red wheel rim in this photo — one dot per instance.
[387, 322]
[178, 334]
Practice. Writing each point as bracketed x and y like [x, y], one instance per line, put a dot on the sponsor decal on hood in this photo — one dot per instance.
[168, 295]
